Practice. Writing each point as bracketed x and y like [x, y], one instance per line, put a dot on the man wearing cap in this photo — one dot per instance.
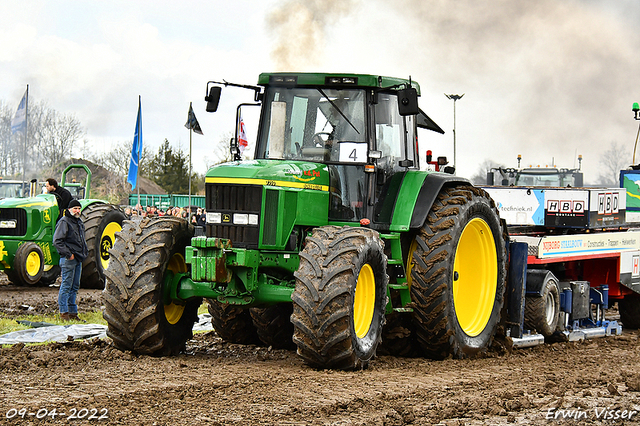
[65, 196]
[69, 240]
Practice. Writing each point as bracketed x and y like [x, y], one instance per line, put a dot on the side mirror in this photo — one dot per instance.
[213, 98]
[408, 101]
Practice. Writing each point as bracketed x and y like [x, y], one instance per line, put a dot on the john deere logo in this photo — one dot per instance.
[226, 218]
[46, 216]
[3, 252]
[105, 245]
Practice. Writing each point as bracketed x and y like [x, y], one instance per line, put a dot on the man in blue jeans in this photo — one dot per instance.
[69, 240]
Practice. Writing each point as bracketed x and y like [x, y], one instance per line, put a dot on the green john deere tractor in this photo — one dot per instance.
[331, 232]
[27, 255]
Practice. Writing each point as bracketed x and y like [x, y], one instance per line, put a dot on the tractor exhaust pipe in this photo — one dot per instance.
[33, 188]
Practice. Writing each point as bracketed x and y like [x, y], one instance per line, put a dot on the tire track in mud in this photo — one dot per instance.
[227, 384]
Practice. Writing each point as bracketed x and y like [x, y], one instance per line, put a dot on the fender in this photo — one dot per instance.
[431, 187]
[536, 280]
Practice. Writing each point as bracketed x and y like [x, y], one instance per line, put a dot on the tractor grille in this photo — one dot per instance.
[19, 216]
[230, 199]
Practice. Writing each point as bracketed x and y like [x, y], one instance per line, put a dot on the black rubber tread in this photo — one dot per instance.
[437, 330]
[49, 277]
[95, 218]
[20, 260]
[535, 315]
[132, 297]
[232, 323]
[273, 324]
[13, 277]
[324, 295]
[629, 309]
[398, 337]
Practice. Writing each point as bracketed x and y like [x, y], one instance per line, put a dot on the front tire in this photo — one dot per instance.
[458, 274]
[101, 222]
[340, 297]
[138, 320]
[28, 263]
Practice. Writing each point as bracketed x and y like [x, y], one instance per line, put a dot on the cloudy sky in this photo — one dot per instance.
[547, 79]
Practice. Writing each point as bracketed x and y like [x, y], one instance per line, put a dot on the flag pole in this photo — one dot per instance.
[190, 144]
[26, 130]
[139, 150]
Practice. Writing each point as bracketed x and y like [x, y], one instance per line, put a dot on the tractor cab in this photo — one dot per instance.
[361, 130]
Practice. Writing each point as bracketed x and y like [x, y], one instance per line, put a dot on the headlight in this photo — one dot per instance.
[253, 219]
[8, 224]
[214, 217]
[240, 218]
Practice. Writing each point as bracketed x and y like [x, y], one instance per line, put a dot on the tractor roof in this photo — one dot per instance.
[333, 79]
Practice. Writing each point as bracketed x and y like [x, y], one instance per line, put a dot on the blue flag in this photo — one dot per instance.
[19, 120]
[192, 121]
[136, 150]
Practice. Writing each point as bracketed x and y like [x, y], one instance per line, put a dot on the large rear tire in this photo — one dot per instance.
[340, 297]
[101, 222]
[458, 274]
[137, 318]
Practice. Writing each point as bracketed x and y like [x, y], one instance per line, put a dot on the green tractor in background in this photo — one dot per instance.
[330, 240]
[27, 255]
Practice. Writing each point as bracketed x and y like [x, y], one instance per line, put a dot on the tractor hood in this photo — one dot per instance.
[42, 201]
[279, 173]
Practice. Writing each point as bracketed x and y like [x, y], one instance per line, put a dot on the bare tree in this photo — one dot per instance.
[50, 139]
[613, 160]
[118, 159]
[221, 151]
[6, 141]
[480, 176]
[58, 136]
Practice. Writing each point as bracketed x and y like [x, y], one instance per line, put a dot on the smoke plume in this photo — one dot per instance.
[300, 28]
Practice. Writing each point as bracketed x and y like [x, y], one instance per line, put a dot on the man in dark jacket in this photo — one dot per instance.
[69, 240]
[65, 196]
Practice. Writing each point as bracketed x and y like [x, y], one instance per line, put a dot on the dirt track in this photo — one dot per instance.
[225, 384]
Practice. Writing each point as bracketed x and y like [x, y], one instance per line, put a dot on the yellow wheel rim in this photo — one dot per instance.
[475, 277]
[107, 239]
[33, 264]
[173, 312]
[364, 302]
[410, 263]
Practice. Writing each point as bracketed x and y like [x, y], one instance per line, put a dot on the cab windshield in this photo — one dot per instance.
[314, 124]
[557, 179]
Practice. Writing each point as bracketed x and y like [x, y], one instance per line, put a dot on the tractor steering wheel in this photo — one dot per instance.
[317, 139]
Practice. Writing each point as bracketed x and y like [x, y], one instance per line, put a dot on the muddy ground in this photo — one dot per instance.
[215, 383]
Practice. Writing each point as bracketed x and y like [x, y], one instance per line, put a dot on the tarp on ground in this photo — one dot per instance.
[60, 333]
[55, 333]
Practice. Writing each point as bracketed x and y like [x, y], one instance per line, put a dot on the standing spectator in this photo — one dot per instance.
[202, 220]
[69, 240]
[65, 196]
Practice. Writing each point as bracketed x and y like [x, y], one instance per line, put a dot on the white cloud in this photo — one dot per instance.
[543, 79]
